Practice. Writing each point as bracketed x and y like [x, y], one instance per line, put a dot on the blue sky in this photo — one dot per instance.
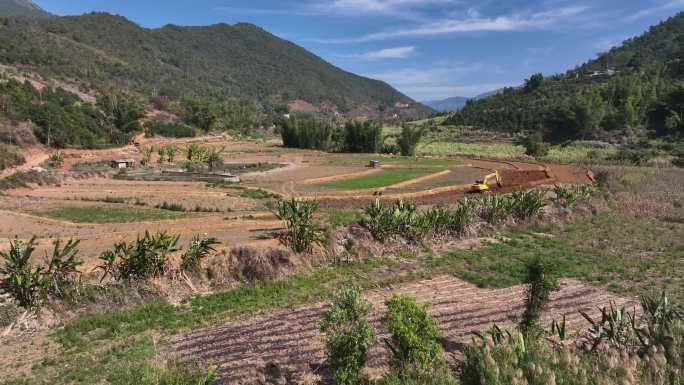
[428, 49]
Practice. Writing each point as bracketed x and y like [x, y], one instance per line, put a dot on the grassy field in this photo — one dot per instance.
[489, 150]
[364, 159]
[386, 177]
[108, 215]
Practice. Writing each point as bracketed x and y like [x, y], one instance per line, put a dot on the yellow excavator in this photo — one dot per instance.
[482, 186]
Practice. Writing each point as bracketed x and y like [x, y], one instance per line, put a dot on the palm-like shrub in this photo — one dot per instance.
[541, 282]
[199, 249]
[21, 280]
[409, 138]
[144, 258]
[171, 153]
[526, 204]
[414, 341]
[62, 267]
[494, 208]
[57, 159]
[348, 335]
[302, 231]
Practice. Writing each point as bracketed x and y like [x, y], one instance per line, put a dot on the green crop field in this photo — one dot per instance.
[108, 215]
[385, 178]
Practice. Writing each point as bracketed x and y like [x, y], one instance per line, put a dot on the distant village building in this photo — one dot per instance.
[123, 163]
[401, 105]
[608, 72]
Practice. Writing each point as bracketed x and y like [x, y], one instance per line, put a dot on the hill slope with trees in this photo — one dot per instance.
[22, 8]
[635, 90]
[221, 61]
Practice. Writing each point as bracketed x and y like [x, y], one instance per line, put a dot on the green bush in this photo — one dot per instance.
[363, 137]
[10, 156]
[526, 204]
[535, 146]
[308, 132]
[494, 208]
[57, 159]
[541, 282]
[171, 207]
[414, 335]
[30, 285]
[440, 375]
[402, 219]
[348, 335]
[199, 249]
[302, 231]
[144, 258]
[21, 280]
[409, 138]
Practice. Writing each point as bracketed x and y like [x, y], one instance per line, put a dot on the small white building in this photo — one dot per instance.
[123, 163]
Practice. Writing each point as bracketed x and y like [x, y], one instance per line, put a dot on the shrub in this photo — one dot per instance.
[144, 258]
[21, 280]
[302, 131]
[171, 207]
[634, 154]
[363, 137]
[146, 155]
[348, 335]
[402, 219]
[57, 159]
[409, 138]
[10, 156]
[456, 221]
[541, 282]
[414, 341]
[535, 146]
[62, 268]
[302, 231]
[171, 153]
[199, 249]
[161, 151]
[29, 285]
[494, 208]
[566, 196]
[526, 204]
[440, 375]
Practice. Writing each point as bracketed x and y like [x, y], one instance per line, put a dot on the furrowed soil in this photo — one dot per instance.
[290, 340]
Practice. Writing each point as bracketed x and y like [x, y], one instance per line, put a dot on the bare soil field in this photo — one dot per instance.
[290, 341]
[237, 216]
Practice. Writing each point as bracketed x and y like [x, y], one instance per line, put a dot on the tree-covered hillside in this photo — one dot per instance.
[240, 61]
[636, 89]
[21, 8]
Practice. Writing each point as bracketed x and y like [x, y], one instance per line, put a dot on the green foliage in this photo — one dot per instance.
[414, 341]
[147, 155]
[409, 138]
[62, 268]
[144, 258]
[534, 82]
[494, 208]
[535, 146]
[171, 153]
[30, 285]
[304, 131]
[440, 375]
[122, 112]
[171, 207]
[348, 335]
[541, 282]
[57, 159]
[199, 112]
[362, 137]
[108, 214]
[10, 156]
[199, 249]
[526, 204]
[21, 280]
[568, 196]
[638, 154]
[169, 130]
[302, 231]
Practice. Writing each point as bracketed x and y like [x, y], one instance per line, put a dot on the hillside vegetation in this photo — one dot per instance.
[24, 8]
[633, 91]
[243, 61]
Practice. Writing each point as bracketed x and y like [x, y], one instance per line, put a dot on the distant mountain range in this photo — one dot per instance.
[242, 61]
[457, 102]
[21, 8]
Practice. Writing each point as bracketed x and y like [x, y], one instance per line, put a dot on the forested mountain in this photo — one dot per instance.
[634, 89]
[24, 8]
[220, 61]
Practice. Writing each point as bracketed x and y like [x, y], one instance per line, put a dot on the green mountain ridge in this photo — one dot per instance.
[632, 91]
[21, 8]
[241, 61]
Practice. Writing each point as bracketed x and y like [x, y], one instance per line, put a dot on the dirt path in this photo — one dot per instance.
[290, 339]
[34, 157]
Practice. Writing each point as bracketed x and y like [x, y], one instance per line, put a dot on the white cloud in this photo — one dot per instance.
[473, 24]
[387, 53]
[378, 6]
[667, 6]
